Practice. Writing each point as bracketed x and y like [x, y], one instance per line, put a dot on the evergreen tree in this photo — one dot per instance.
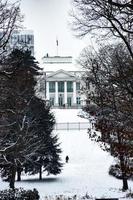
[19, 70]
[20, 122]
[46, 155]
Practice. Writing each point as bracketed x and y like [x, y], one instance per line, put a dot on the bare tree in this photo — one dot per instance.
[110, 71]
[106, 18]
[10, 20]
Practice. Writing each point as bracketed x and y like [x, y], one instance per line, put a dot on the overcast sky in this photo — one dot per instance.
[49, 20]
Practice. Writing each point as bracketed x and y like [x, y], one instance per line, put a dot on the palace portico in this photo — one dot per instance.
[63, 83]
[62, 89]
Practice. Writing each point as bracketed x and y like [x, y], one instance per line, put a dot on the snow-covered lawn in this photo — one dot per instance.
[68, 115]
[86, 171]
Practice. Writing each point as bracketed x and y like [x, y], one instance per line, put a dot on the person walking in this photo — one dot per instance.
[67, 159]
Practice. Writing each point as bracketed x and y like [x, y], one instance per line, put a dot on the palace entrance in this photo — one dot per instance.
[60, 100]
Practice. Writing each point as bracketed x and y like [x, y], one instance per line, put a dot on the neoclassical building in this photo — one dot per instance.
[63, 82]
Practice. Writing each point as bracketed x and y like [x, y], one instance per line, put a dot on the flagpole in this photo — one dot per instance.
[57, 46]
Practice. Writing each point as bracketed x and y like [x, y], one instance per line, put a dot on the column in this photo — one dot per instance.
[74, 93]
[56, 93]
[65, 93]
[47, 90]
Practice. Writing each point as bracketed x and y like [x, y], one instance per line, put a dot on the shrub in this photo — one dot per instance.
[130, 194]
[19, 194]
[115, 171]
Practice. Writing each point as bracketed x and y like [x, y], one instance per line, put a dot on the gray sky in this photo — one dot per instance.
[49, 19]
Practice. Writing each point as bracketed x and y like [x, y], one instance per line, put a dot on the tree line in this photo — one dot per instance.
[110, 70]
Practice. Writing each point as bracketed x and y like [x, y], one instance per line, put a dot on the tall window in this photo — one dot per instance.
[69, 86]
[52, 86]
[78, 100]
[78, 86]
[51, 101]
[69, 101]
[60, 86]
[30, 39]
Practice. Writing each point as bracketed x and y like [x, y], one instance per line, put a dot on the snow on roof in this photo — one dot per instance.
[56, 67]
[57, 59]
[55, 63]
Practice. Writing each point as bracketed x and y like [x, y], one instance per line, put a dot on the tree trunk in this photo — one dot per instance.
[40, 172]
[19, 170]
[125, 183]
[123, 169]
[12, 177]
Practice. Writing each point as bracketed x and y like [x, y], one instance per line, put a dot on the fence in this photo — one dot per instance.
[108, 199]
[71, 126]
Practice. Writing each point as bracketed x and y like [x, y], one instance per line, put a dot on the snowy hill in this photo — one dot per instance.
[86, 171]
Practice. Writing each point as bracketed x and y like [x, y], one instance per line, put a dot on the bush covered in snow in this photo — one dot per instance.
[64, 197]
[130, 195]
[19, 194]
[115, 171]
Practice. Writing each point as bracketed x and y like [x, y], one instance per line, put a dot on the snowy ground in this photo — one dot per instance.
[86, 172]
[68, 115]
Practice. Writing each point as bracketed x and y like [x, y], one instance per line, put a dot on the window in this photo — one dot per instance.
[30, 39]
[18, 39]
[78, 86]
[22, 40]
[69, 101]
[60, 99]
[87, 84]
[60, 86]
[69, 86]
[51, 101]
[52, 86]
[78, 100]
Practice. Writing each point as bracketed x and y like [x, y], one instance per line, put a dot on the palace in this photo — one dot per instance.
[63, 82]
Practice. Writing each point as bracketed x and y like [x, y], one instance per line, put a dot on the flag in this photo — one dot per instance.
[57, 42]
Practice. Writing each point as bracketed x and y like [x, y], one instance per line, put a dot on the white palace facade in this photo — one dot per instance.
[63, 82]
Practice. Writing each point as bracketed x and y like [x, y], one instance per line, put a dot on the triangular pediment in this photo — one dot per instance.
[61, 74]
